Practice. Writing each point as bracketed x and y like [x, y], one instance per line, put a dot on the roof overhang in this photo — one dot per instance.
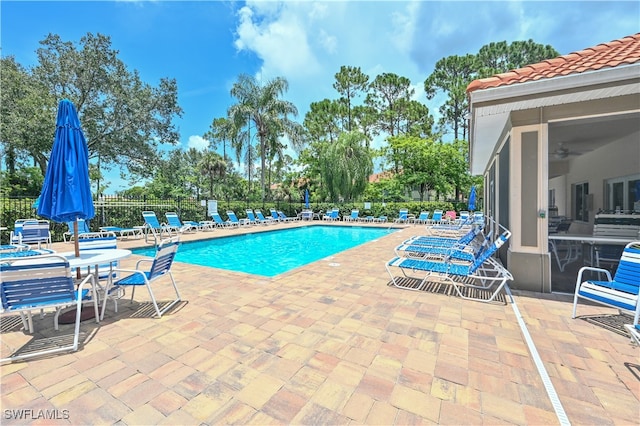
[490, 108]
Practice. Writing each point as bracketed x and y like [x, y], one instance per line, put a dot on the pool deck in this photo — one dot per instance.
[327, 343]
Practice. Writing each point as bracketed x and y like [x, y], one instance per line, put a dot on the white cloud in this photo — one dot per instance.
[197, 142]
[328, 42]
[279, 39]
[308, 42]
[403, 26]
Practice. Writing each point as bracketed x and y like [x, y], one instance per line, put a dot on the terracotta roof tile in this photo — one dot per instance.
[618, 52]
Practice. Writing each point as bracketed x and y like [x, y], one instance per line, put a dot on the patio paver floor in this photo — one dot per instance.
[328, 343]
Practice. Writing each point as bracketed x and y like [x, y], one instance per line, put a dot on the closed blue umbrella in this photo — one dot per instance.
[472, 199]
[66, 192]
[306, 198]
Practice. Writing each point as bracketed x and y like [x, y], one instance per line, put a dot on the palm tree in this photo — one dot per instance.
[261, 106]
[213, 166]
[221, 130]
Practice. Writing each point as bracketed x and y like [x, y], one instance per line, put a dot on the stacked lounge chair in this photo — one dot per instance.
[467, 264]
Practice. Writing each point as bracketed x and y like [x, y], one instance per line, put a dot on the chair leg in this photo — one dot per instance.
[170, 305]
[153, 300]
[107, 295]
[25, 322]
[55, 319]
[633, 333]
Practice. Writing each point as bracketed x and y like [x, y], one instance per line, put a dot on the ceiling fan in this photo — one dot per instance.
[562, 152]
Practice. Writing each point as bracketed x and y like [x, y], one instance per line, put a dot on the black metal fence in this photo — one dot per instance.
[126, 212]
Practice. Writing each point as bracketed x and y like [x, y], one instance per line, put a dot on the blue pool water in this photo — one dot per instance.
[273, 252]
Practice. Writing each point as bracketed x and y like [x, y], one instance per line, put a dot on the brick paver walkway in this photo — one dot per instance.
[328, 343]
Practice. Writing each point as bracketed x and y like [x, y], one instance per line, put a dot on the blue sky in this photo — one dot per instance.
[205, 45]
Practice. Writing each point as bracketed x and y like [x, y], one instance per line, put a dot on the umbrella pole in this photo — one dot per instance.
[76, 246]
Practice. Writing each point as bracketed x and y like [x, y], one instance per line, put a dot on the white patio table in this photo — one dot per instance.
[585, 239]
[92, 258]
[95, 257]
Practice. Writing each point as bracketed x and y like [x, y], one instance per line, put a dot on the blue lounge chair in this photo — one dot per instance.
[154, 227]
[260, 217]
[234, 219]
[423, 217]
[160, 267]
[464, 216]
[13, 248]
[462, 250]
[283, 217]
[451, 229]
[46, 282]
[219, 223]
[330, 215]
[437, 218]
[403, 216]
[431, 240]
[353, 217]
[83, 228]
[253, 219]
[274, 215]
[123, 232]
[174, 221]
[483, 273]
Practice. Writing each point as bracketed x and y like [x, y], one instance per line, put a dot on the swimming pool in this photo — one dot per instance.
[273, 252]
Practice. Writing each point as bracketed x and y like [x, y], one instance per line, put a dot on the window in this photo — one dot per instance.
[580, 202]
[622, 194]
[634, 195]
[552, 198]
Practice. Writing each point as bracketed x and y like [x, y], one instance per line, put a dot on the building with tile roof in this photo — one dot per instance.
[560, 137]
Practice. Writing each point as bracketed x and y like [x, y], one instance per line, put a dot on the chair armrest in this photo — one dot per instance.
[590, 268]
[139, 262]
[88, 278]
[131, 271]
